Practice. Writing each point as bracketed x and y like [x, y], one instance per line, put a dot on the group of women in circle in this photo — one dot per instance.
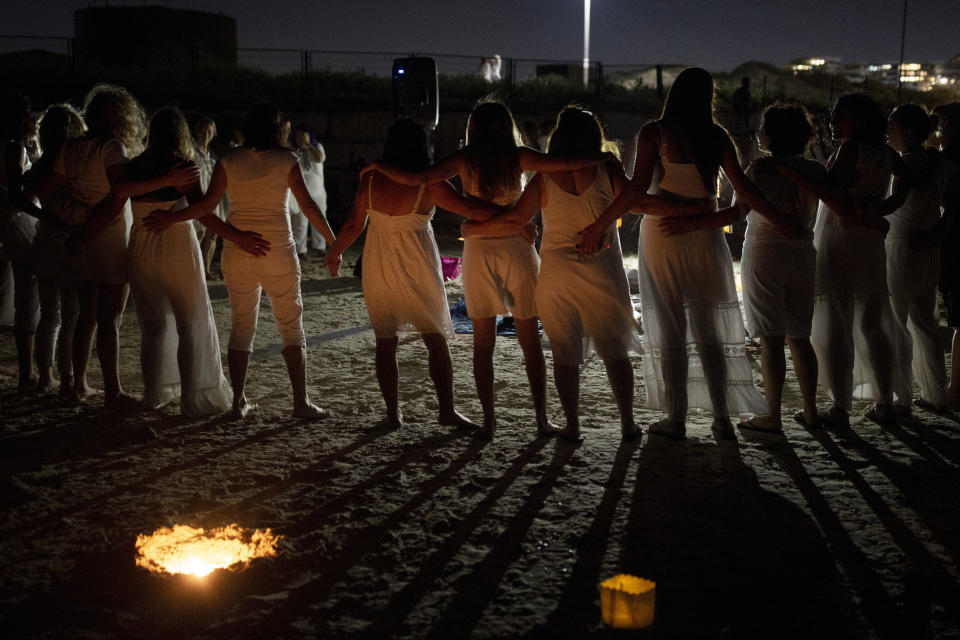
[100, 215]
[841, 263]
[817, 254]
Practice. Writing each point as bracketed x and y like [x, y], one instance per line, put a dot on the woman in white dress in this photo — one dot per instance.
[583, 301]
[499, 271]
[256, 178]
[777, 271]
[693, 330]
[85, 170]
[402, 280]
[179, 349]
[854, 327]
[913, 259]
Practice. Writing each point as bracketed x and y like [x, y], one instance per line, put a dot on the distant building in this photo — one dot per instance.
[150, 36]
[825, 64]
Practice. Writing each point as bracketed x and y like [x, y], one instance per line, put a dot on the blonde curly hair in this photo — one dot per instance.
[112, 112]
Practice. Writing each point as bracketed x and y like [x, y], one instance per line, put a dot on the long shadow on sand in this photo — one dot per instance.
[391, 618]
[925, 578]
[730, 558]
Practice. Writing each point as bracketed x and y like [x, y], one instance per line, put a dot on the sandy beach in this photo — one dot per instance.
[432, 532]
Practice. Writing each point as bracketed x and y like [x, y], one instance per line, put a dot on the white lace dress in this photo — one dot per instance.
[179, 348]
[402, 280]
[693, 328]
[583, 300]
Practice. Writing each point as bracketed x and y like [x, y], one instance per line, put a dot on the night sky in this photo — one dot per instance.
[716, 34]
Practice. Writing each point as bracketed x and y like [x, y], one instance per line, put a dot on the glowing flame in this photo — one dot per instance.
[197, 552]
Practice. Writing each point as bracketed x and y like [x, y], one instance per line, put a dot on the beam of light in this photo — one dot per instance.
[586, 42]
[186, 550]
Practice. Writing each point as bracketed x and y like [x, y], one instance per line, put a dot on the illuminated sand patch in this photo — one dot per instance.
[197, 552]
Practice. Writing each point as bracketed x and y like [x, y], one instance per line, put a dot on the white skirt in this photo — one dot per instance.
[584, 305]
[402, 280]
[690, 312]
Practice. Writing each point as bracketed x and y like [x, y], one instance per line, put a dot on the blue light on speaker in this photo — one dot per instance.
[401, 71]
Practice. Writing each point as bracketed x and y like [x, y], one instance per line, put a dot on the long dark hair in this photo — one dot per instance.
[492, 141]
[406, 146]
[578, 132]
[261, 129]
[168, 145]
[690, 108]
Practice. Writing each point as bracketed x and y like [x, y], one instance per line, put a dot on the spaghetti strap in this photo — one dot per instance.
[370, 190]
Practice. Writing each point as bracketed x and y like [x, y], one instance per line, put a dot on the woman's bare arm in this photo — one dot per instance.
[443, 170]
[533, 160]
[446, 197]
[351, 230]
[161, 219]
[514, 219]
[749, 194]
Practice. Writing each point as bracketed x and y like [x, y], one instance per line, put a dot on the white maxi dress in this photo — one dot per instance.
[179, 348]
[693, 328]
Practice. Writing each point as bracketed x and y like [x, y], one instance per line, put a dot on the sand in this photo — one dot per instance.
[428, 531]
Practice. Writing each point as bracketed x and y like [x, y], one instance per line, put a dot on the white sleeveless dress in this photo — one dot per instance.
[851, 271]
[690, 314]
[402, 280]
[179, 348]
[913, 275]
[499, 273]
[583, 300]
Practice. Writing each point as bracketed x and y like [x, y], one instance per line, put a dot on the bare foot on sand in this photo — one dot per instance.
[82, 393]
[673, 429]
[310, 411]
[456, 419]
[121, 402]
[241, 408]
[571, 433]
[546, 428]
[765, 424]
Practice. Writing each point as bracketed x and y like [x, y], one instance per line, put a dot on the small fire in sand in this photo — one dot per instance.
[184, 549]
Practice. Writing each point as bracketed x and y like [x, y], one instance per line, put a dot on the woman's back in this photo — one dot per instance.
[394, 199]
[257, 188]
[786, 197]
[84, 163]
[677, 173]
[572, 204]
